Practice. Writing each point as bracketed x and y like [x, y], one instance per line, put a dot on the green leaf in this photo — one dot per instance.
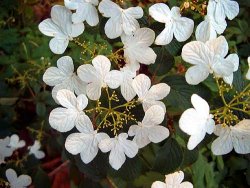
[40, 109]
[41, 179]
[174, 48]
[169, 157]
[146, 180]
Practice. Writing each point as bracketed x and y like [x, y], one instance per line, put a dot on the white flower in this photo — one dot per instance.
[86, 142]
[120, 20]
[175, 25]
[85, 10]
[35, 150]
[237, 137]
[197, 121]
[5, 150]
[15, 142]
[149, 129]
[63, 77]
[209, 28]
[99, 76]
[208, 58]
[173, 180]
[127, 90]
[148, 95]
[118, 147]
[17, 182]
[64, 119]
[61, 28]
[136, 47]
[224, 8]
[248, 72]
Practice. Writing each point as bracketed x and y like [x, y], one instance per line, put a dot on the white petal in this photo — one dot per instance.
[67, 98]
[241, 137]
[58, 45]
[219, 46]
[222, 67]
[71, 4]
[62, 17]
[92, 17]
[196, 74]
[87, 73]
[144, 37]
[53, 76]
[186, 185]
[153, 116]
[116, 157]
[223, 144]
[65, 64]
[200, 105]
[11, 175]
[23, 181]
[130, 148]
[106, 145]
[196, 52]
[228, 79]
[174, 179]
[166, 36]
[82, 102]
[190, 122]
[183, 27]
[113, 27]
[146, 104]
[144, 55]
[84, 124]
[90, 150]
[102, 65]
[231, 9]
[219, 13]
[78, 85]
[158, 133]
[127, 90]
[159, 91]
[62, 119]
[109, 8]
[234, 59]
[113, 79]
[94, 90]
[194, 140]
[39, 154]
[158, 184]
[135, 12]
[205, 31]
[140, 135]
[248, 72]
[141, 84]
[77, 29]
[160, 12]
[74, 142]
[49, 28]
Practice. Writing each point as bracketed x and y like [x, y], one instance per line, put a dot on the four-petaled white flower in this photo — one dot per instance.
[127, 90]
[5, 150]
[99, 76]
[120, 20]
[209, 28]
[224, 8]
[136, 47]
[175, 25]
[208, 58]
[118, 147]
[64, 119]
[86, 142]
[148, 95]
[149, 129]
[197, 121]
[232, 137]
[35, 150]
[85, 10]
[173, 180]
[61, 28]
[15, 142]
[17, 182]
[63, 77]
[248, 72]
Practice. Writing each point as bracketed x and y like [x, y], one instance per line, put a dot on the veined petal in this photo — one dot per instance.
[117, 157]
[183, 29]
[218, 46]
[201, 106]
[159, 91]
[87, 73]
[94, 90]
[141, 85]
[67, 98]
[58, 45]
[158, 133]
[82, 102]
[113, 79]
[102, 65]
[231, 9]
[49, 28]
[62, 119]
[109, 8]
[166, 36]
[74, 142]
[76, 29]
[160, 12]
[65, 64]
[84, 124]
[196, 74]
[113, 27]
[129, 24]
[144, 37]
[153, 116]
[135, 12]
[194, 140]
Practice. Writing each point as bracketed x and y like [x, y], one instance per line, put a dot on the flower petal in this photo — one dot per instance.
[194, 140]
[153, 116]
[94, 90]
[158, 133]
[87, 73]
[196, 74]
[141, 84]
[166, 36]
[102, 65]
[67, 98]
[58, 45]
[218, 46]
[159, 91]
[82, 102]
[160, 12]
[113, 79]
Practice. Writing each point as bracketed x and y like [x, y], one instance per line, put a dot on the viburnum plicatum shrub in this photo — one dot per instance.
[118, 103]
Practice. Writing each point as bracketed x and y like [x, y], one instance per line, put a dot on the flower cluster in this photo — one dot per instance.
[113, 95]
